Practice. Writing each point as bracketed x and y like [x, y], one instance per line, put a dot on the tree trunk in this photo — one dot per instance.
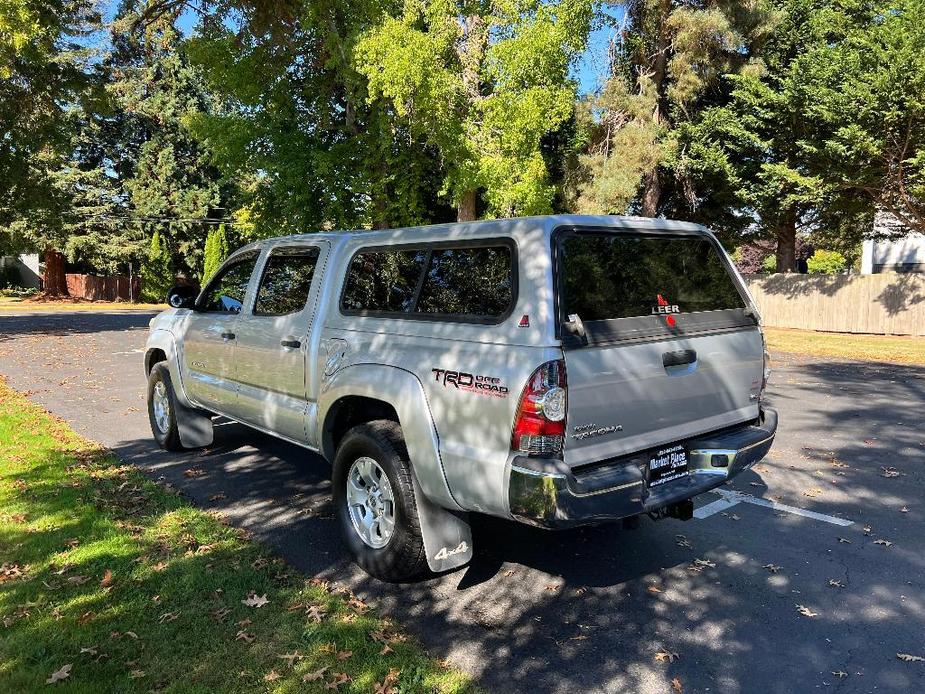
[786, 254]
[54, 279]
[651, 193]
[466, 210]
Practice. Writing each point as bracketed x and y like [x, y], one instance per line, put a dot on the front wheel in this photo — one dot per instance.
[374, 499]
[162, 408]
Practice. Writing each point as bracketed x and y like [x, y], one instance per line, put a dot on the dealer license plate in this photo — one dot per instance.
[667, 464]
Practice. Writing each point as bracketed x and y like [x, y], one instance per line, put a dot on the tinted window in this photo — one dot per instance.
[225, 293]
[287, 277]
[383, 281]
[605, 276]
[468, 281]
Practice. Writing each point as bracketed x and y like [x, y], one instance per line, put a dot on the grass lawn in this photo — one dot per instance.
[110, 582]
[882, 348]
[16, 305]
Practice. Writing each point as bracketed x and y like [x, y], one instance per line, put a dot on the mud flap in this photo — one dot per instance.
[195, 426]
[447, 535]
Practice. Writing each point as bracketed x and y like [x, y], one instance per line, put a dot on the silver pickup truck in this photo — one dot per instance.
[558, 371]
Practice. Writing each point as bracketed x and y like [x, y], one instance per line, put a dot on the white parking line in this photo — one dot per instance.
[731, 498]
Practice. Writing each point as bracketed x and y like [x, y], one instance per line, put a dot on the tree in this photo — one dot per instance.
[215, 253]
[483, 83]
[764, 145]
[667, 67]
[295, 127]
[826, 263]
[864, 93]
[157, 274]
[45, 79]
[167, 176]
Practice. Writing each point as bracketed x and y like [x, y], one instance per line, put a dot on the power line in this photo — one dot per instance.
[168, 220]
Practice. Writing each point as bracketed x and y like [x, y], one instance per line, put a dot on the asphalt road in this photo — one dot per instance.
[588, 610]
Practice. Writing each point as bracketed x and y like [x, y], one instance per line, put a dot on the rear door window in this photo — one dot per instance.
[383, 281]
[435, 281]
[653, 279]
[286, 281]
[468, 282]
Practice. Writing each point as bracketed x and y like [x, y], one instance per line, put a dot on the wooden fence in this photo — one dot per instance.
[885, 304]
[115, 288]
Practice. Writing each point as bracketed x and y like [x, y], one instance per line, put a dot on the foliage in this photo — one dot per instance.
[295, 129]
[119, 584]
[215, 252]
[824, 262]
[483, 84]
[45, 81]
[769, 264]
[667, 68]
[157, 273]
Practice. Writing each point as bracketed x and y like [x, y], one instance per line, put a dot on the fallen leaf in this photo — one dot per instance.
[509, 573]
[773, 568]
[136, 674]
[168, 617]
[907, 658]
[313, 676]
[315, 613]
[904, 510]
[812, 493]
[218, 497]
[61, 674]
[86, 617]
[254, 600]
[339, 679]
[220, 614]
[670, 656]
[835, 584]
[244, 636]
[840, 674]
[194, 472]
[844, 540]
[885, 543]
[889, 471]
[107, 579]
[804, 610]
[271, 676]
[78, 580]
[676, 685]
[682, 541]
[89, 649]
[735, 517]
[704, 562]
[654, 589]
[343, 655]
[552, 587]
[386, 649]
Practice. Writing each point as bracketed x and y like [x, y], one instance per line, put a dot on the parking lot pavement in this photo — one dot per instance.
[756, 596]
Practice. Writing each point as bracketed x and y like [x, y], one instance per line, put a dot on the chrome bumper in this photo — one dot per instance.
[545, 492]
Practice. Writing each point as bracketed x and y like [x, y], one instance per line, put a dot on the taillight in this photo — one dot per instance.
[539, 427]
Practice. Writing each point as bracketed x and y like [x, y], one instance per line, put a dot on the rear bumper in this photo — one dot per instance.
[545, 492]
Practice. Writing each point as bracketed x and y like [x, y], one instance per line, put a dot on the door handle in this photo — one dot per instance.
[227, 336]
[291, 344]
[679, 358]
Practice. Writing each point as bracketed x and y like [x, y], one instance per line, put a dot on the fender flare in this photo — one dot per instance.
[444, 526]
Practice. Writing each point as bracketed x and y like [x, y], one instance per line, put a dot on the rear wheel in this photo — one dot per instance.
[162, 408]
[374, 499]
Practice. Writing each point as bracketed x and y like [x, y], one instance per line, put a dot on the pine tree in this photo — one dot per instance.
[215, 253]
[157, 275]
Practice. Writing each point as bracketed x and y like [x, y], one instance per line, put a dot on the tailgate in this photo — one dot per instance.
[660, 344]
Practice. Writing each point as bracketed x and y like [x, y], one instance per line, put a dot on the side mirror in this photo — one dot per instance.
[182, 296]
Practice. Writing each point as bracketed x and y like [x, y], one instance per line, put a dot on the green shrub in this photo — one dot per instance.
[826, 263]
[770, 263]
[215, 253]
[157, 274]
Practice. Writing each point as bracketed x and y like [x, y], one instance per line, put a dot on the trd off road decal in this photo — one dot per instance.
[482, 385]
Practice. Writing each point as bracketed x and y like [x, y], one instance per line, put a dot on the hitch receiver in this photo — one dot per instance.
[681, 510]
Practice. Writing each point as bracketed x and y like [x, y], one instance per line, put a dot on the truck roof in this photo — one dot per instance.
[513, 226]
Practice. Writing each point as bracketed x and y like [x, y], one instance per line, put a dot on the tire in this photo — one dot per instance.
[401, 556]
[163, 420]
